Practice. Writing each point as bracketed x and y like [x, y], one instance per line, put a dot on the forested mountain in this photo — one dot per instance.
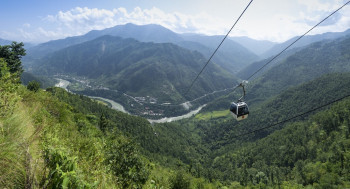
[312, 154]
[304, 65]
[144, 33]
[317, 59]
[160, 70]
[44, 82]
[272, 157]
[306, 40]
[232, 56]
[55, 139]
[246, 72]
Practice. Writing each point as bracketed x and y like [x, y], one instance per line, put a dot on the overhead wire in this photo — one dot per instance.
[234, 88]
[277, 55]
[297, 40]
[299, 115]
[307, 112]
[188, 90]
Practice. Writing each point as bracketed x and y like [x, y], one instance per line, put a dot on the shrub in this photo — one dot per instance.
[33, 86]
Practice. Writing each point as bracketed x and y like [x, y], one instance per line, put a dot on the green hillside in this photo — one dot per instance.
[232, 56]
[225, 157]
[313, 153]
[55, 139]
[302, 66]
[163, 71]
[64, 128]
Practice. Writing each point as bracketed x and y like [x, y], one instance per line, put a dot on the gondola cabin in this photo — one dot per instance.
[239, 110]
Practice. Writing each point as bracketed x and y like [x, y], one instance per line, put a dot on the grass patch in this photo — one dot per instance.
[212, 115]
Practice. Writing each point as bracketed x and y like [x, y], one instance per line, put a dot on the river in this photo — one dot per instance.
[115, 105]
[170, 119]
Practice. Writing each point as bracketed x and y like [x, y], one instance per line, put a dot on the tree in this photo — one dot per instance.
[104, 123]
[12, 54]
[179, 181]
[8, 86]
[124, 161]
[33, 86]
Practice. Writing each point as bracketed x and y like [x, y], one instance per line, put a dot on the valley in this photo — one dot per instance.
[141, 106]
[116, 106]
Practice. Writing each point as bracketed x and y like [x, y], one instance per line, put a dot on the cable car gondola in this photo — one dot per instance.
[240, 109]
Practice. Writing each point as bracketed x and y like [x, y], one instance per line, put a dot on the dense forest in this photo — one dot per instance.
[55, 139]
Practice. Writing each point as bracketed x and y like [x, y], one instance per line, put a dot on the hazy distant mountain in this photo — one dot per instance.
[144, 33]
[302, 66]
[5, 42]
[303, 43]
[232, 55]
[306, 40]
[162, 70]
[246, 72]
[8, 42]
[256, 46]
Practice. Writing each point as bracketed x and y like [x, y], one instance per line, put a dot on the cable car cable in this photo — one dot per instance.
[286, 120]
[291, 45]
[188, 90]
[297, 40]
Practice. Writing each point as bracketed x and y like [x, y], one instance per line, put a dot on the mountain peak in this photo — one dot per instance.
[145, 33]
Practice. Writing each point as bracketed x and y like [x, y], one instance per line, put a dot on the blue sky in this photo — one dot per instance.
[274, 20]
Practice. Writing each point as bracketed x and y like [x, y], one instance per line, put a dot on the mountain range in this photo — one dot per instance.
[232, 56]
[293, 68]
[151, 60]
[306, 40]
[259, 47]
[161, 70]
[290, 140]
[5, 42]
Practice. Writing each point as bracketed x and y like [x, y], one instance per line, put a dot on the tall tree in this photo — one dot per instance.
[12, 54]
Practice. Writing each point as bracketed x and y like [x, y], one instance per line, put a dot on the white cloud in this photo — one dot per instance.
[26, 25]
[287, 19]
[81, 20]
[321, 5]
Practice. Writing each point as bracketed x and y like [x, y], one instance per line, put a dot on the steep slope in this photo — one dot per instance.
[160, 70]
[302, 66]
[303, 43]
[45, 82]
[223, 154]
[232, 56]
[253, 67]
[309, 63]
[307, 40]
[289, 103]
[144, 33]
[311, 153]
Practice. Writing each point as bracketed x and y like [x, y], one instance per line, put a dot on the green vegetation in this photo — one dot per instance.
[212, 115]
[33, 86]
[12, 55]
[294, 69]
[55, 139]
[160, 70]
[44, 82]
[309, 153]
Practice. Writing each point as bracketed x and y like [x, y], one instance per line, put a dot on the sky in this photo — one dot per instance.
[39, 21]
